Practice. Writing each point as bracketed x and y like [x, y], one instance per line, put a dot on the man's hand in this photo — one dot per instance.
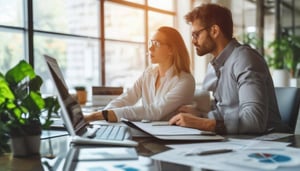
[192, 121]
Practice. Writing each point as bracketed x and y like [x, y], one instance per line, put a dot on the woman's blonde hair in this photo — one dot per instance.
[181, 58]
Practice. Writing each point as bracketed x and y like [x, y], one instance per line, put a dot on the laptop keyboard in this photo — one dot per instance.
[111, 132]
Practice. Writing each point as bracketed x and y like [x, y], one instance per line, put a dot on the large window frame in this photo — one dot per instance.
[29, 32]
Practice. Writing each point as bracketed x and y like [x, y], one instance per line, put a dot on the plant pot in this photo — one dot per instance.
[25, 140]
[281, 78]
[295, 82]
[23, 146]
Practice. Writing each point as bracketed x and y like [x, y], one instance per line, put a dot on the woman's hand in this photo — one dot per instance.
[93, 117]
[98, 116]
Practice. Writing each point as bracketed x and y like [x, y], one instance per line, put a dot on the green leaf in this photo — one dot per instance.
[52, 106]
[34, 104]
[21, 91]
[10, 104]
[47, 124]
[5, 92]
[19, 72]
[36, 83]
[39, 101]
[17, 116]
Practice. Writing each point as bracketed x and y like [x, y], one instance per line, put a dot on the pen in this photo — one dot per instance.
[161, 124]
[209, 152]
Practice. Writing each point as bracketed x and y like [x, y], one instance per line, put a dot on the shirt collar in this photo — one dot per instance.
[219, 61]
[170, 71]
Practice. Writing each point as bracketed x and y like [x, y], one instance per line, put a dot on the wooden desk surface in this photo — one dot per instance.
[57, 146]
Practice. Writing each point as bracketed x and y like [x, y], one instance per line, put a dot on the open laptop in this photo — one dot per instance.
[80, 131]
[78, 157]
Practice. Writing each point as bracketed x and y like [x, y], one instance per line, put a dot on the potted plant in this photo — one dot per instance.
[293, 63]
[252, 40]
[21, 107]
[284, 59]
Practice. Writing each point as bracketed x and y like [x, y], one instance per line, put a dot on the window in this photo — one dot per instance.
[66, 30]
[164, 5]
[12, 47]
[12, 13]
[69, 32]
[89, 54]
[125, 28]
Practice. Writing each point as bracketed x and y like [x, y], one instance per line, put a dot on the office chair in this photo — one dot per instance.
[288, 99]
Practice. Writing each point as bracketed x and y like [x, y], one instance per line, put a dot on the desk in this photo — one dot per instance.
[147, 147]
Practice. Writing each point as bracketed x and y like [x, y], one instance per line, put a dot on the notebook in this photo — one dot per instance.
[163, 131]
[80, 131]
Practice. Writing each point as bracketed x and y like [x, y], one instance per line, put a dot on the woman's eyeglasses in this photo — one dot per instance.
[155, 43]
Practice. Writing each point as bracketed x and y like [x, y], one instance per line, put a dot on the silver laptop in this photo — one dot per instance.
[77, 157]
[80, 131]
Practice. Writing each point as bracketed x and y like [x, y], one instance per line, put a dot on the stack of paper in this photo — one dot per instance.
[246, 155]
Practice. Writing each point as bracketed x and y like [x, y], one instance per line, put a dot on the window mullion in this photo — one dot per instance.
[30, 32]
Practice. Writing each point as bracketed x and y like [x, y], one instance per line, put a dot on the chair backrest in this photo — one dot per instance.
[288, 99]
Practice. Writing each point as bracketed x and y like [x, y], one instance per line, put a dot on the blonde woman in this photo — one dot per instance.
[162, 88]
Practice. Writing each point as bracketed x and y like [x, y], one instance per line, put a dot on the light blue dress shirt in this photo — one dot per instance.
[243, 90]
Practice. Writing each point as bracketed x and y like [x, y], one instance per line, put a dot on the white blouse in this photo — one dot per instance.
[162, 104]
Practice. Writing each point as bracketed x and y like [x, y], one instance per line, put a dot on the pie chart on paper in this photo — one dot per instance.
[270, 158]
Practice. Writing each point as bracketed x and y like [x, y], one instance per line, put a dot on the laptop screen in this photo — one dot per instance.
[72, 107]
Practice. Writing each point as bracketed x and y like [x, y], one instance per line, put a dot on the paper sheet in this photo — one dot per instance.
[267, 159]
[142, 164]
[162, 128]
[231, 143]
[238, 160]
[178, 154]
[273, 136]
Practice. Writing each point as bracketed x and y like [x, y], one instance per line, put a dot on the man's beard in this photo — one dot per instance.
[208, 46]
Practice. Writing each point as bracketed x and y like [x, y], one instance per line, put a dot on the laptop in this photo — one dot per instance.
[80, 131]
[78, 157]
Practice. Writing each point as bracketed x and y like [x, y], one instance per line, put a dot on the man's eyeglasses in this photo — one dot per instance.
[155, 43]
[196, 34]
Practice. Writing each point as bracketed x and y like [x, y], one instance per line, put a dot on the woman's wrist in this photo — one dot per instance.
[109, 115]
[105, 115]
[93, 117]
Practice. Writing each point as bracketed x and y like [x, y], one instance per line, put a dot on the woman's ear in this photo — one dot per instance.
[170, 51]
